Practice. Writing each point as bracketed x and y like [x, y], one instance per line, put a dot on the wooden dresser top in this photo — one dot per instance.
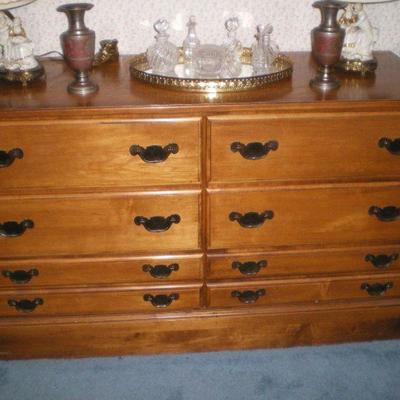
[118, 91]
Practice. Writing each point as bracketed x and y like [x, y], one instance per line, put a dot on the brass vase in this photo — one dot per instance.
[327, 42]
[78, 44]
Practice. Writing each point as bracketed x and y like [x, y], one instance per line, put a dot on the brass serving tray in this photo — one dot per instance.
[140, 69]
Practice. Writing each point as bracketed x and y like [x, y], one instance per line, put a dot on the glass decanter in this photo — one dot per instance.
[271, 49]
[163, 55]
[190, 43]
[264, 50]
[232, 66]
[258, 55]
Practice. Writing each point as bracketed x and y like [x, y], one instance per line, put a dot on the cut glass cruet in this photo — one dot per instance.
[162, 55]
[232, 65]
[190, 44]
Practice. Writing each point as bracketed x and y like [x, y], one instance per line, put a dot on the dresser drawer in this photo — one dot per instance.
[76, 272]
[81, 155]
[303, 216]
[46, 303]
[343, 261]
[103, 224]
[303, 148]
[310, 291]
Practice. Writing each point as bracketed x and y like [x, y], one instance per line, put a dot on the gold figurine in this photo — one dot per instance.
[108, 52]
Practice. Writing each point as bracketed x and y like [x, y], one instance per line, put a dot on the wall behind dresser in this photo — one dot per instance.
[131, 21]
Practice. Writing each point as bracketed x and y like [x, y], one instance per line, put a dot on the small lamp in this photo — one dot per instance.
[17, 60]
[360, 39]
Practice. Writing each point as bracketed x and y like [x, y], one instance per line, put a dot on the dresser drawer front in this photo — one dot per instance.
[312, 291]
[80, 155]
[34, 304]
[308, 147]
[100, 225]
[252, 266]
[71, 272]
[308, 216]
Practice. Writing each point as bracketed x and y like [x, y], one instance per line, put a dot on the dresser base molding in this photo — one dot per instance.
[197, 332]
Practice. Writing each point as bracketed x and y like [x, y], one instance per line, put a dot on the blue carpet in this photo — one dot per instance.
[367, 371]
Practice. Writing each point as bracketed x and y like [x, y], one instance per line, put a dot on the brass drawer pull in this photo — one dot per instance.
[249, 268]
[7, 158]
[157, 224]
[20, 276]
[249, 296]
[386, 214]
[160, 271]
[376, 289]
[392, 146]
[154, 154]
[161, 300]
[251, 219]
[381, 260]
[14, 229]
[26, 306]
[255, 150]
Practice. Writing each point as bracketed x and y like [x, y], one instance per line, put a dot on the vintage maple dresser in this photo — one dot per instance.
[143, 220]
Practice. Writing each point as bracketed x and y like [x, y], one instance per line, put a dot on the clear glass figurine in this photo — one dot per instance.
[162, 55]
[233, 50]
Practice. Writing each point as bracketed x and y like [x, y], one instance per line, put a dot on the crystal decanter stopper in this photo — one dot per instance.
[162, 55]
[233, 50]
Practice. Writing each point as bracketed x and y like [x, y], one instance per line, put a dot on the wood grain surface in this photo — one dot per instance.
[59, 303]
[311, 290]
[312, 147]
[313, 216]
[99, 225]
[89, 272]
[206, 332]
[96, 154]
[119, 94]
[81, 187]
[304, 263]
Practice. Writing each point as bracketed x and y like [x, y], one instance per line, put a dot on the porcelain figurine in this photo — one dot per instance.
[16, 50]
[360, 39]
